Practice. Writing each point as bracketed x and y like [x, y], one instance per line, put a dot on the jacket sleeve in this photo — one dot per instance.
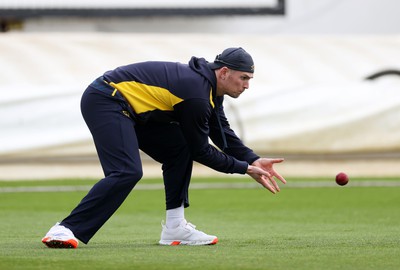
[235, 146]
[194, 115]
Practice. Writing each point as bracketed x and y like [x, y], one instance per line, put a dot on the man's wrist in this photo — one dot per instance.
[255, 161]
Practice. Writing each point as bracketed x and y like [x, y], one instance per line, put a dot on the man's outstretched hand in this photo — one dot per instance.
[262, 170]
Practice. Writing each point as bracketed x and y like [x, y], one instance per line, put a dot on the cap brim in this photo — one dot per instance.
[214, 65]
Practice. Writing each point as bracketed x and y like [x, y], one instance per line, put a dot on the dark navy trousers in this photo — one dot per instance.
[118, 138]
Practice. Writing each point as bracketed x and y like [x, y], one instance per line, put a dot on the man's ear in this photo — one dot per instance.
[222, 72]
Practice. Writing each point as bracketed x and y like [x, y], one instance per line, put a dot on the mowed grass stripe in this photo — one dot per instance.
[140, 186]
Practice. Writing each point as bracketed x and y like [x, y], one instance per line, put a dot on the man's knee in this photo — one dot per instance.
[128, 177]
[132, 174]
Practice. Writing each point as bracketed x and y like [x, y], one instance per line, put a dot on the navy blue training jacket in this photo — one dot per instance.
[186, 94]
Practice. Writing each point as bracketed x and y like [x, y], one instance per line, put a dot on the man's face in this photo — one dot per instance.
[233, 82]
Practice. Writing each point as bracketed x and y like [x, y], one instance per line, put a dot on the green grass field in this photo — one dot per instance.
[303, 227]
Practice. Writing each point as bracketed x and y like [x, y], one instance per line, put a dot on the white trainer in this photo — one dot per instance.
[60, 237]
[185, 234]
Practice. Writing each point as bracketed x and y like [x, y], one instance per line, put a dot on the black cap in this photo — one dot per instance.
[234, 58]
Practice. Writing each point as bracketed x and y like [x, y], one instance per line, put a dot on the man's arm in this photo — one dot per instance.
[235, 146]
[194, 115]
[260, 169]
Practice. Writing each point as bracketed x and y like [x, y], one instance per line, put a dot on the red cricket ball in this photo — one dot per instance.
[342, 179]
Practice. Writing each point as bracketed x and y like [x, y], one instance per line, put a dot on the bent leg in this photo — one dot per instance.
[116, 144]
[166, 144]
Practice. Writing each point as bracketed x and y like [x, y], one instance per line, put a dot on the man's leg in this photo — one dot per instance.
[116, 144]
[167, 145]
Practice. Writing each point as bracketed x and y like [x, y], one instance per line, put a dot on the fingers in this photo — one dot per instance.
[266, 177]
[273, 172]
[280, 177]
[277, 160]
[264, 181]
[270, 184]
[275, 184]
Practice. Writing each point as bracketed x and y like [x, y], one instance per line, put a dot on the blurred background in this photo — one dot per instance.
[325, 94]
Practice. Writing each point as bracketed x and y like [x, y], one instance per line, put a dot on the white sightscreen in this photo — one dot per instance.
[307, 95]
[135, 4]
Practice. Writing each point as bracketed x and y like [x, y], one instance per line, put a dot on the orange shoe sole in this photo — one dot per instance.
[177, 243]
[70, 243]
[214, 241]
